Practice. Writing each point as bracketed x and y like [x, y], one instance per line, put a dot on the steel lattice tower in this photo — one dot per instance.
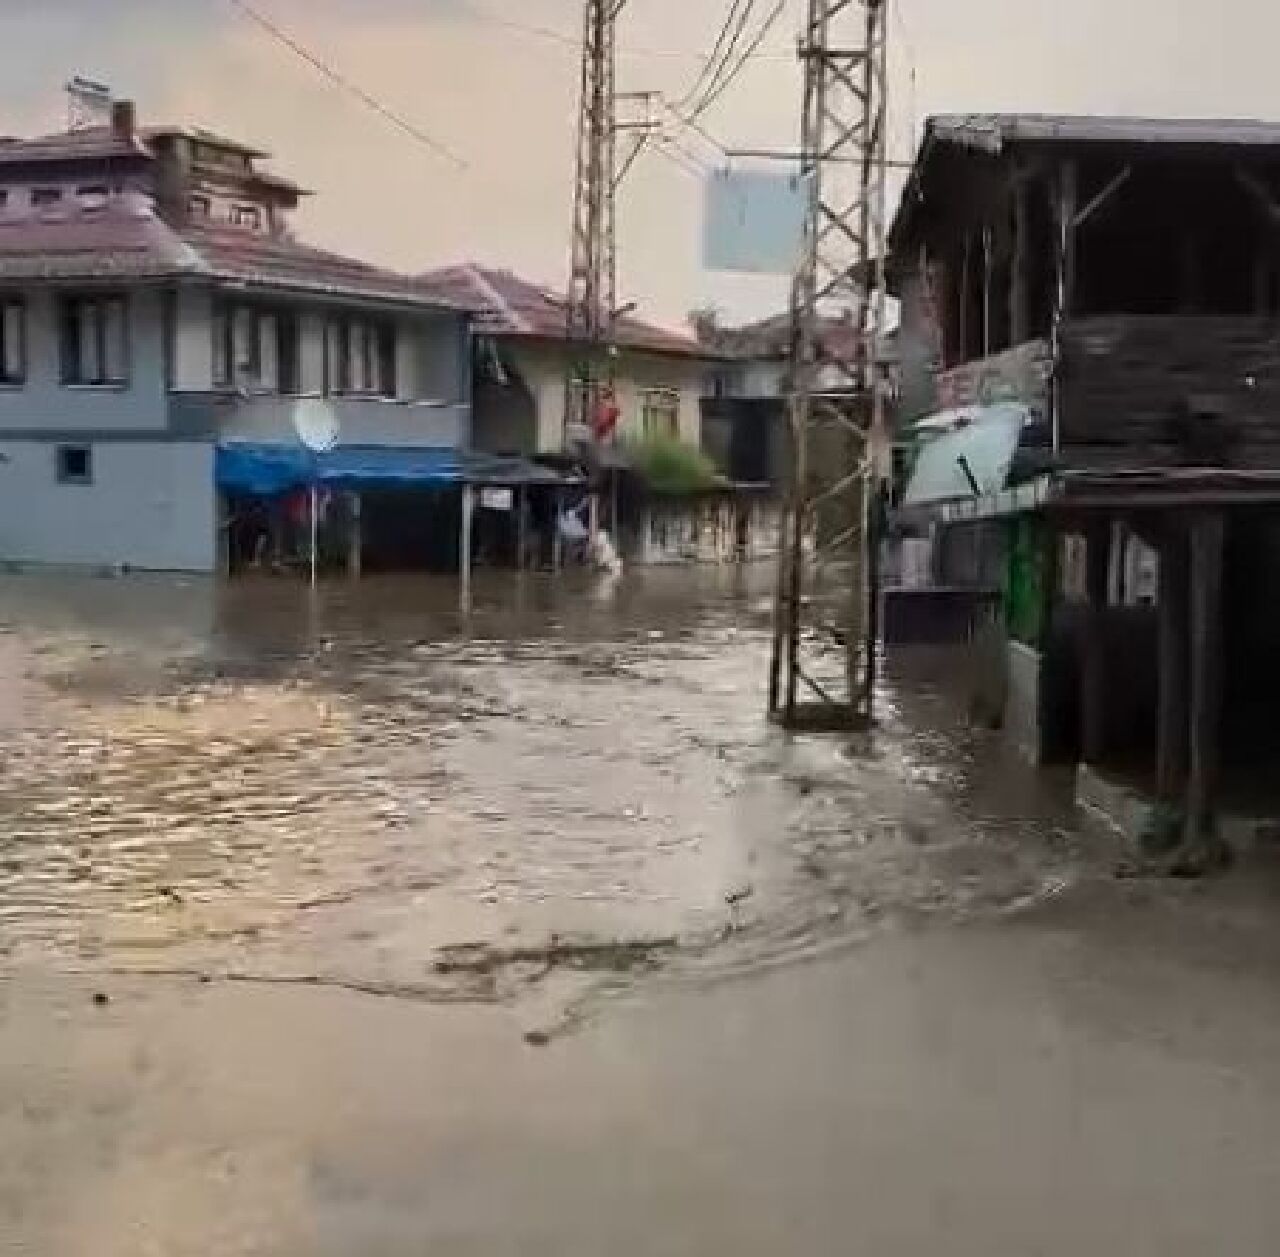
[593, 264]
[828, 564]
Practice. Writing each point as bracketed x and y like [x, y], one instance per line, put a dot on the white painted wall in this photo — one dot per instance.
[193, 339]
[151, 505]
[543, 368]
[362, 421]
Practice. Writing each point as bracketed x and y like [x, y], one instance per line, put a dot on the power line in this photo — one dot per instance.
[347, 85]
[714, 56]
[567, 40]
[751, 50]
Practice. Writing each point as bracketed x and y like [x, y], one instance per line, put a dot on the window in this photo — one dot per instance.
[246, 216]
[93, 196]
[254, 348]
[660, 413]
[74, 464]
[42, 198]
[13, 341]
[95, 340]
[199, 208]
[360, 357]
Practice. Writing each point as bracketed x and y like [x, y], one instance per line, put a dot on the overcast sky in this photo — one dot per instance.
[504, 100]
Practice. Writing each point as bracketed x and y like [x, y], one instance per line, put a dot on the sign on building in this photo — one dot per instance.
[754, 221]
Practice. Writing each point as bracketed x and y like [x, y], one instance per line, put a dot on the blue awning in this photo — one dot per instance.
[270, 470]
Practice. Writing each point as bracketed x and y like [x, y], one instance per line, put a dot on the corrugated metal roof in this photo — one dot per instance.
[992, 132]
[506, 305]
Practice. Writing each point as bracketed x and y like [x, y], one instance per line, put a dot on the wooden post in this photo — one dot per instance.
[1171, 721]
[464, 543]
[557, 540]
[1019, 313]
[1094, 704]
[1207, 534]
[965, 270]
[988, 259]
[224, 536]
[1064, 301]
[355, 536]
[522, 541]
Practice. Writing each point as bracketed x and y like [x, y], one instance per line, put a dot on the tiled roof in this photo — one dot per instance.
[770, 339]
[201, 136]
[991, 132]
[128, 239]
[506, 305]
[247, 257]
[91, 143]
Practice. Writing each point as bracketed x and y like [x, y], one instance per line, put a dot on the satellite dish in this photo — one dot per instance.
[316, 424]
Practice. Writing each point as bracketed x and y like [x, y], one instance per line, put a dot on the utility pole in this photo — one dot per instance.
[593, 268]
[840, 445]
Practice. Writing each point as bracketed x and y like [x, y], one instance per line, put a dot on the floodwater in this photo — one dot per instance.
[350, 924]
[563, 790]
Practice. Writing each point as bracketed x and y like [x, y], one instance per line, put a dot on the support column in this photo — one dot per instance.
[464, 543]
[355, 536]
[557, 539]
[522, 541]
[1019, 311]
[1094, 704]
[1171, 721]
[1207, 534]
[223, 540]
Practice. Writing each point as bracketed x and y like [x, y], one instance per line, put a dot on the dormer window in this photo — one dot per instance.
[199, 208]
[93, 196]
[249, 216]
[45, 198]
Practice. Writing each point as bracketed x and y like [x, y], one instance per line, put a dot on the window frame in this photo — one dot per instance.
[45, 196]
[65, 477]
[20, 304]
[199, 207]
[360, 357]
[669, 411]
[267, 321]
[99, 303]
[247, 216]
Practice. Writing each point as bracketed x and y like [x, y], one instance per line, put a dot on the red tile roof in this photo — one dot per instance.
[506, 305]
[247, 257]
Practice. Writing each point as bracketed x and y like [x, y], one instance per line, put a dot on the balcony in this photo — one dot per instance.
[268, 418]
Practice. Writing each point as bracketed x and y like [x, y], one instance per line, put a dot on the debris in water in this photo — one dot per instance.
[739, 895]
[537, 1038]
[100, 999]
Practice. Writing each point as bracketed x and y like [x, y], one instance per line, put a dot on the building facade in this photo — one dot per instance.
[1116, 282]
[156, 307]
[524, 358]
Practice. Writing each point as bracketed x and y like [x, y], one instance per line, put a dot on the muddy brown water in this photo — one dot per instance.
[571, 785]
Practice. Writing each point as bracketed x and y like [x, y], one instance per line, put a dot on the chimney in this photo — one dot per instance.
[124, 119]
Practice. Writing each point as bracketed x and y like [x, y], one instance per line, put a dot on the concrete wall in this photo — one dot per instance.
[150, 505]
[45, 404]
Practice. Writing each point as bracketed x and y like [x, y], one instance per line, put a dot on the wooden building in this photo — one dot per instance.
[1120, 278]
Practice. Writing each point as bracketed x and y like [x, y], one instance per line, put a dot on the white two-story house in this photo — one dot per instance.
[156, 313]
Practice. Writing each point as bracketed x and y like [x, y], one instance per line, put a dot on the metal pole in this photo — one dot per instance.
[841, 447]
